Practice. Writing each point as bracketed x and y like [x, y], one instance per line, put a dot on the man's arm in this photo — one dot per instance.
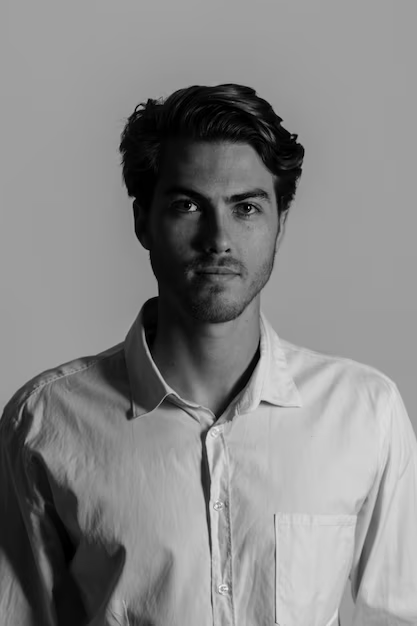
[35, 588]
[384, 581]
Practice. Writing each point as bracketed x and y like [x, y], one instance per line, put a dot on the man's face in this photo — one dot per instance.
[214, 204]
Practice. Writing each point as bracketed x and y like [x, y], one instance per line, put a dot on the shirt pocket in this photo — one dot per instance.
[313, 558]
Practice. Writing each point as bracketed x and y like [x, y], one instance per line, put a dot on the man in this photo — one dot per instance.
[205, 471]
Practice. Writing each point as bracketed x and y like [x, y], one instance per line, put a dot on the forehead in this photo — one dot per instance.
[230, 165]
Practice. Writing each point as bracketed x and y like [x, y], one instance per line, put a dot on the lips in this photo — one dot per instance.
[216, 270]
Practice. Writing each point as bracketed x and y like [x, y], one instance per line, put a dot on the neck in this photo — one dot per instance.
[208, 364]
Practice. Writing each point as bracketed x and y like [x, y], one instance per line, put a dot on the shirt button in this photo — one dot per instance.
[215, 432]
[223, 589]
[218, 505]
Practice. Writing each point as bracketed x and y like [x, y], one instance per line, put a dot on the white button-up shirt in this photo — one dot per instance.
[121, 503]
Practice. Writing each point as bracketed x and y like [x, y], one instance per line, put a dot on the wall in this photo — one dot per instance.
[341, 74]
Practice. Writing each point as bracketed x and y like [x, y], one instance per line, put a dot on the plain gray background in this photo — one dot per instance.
[340, 73]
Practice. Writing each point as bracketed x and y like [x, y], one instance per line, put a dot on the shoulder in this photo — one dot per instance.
[339, 374]
[54, 387]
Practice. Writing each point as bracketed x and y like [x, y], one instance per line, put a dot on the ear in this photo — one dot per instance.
[141, 224]
[282, 222]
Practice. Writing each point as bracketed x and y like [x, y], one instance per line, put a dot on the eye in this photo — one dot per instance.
[183, 205]
[248, 205]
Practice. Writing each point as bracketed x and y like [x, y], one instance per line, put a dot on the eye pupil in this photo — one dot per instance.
[187, 204]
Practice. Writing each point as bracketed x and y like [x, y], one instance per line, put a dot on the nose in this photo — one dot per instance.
[215, 232]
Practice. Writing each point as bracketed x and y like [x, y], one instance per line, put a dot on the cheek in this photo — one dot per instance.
[258, 245]
[170, 244]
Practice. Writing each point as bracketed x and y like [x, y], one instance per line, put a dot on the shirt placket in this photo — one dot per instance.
[220, 531]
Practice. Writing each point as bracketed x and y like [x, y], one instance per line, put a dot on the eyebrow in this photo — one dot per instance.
[238, 197]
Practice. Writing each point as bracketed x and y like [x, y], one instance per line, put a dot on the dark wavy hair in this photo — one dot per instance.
[226, 112]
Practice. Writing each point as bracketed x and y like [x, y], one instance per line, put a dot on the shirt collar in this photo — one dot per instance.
[270, 381]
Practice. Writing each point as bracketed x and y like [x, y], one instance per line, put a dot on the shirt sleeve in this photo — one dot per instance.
[35, 588]
[384, 581]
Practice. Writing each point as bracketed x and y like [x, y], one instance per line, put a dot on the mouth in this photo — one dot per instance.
[216, 276]
[218, 271]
